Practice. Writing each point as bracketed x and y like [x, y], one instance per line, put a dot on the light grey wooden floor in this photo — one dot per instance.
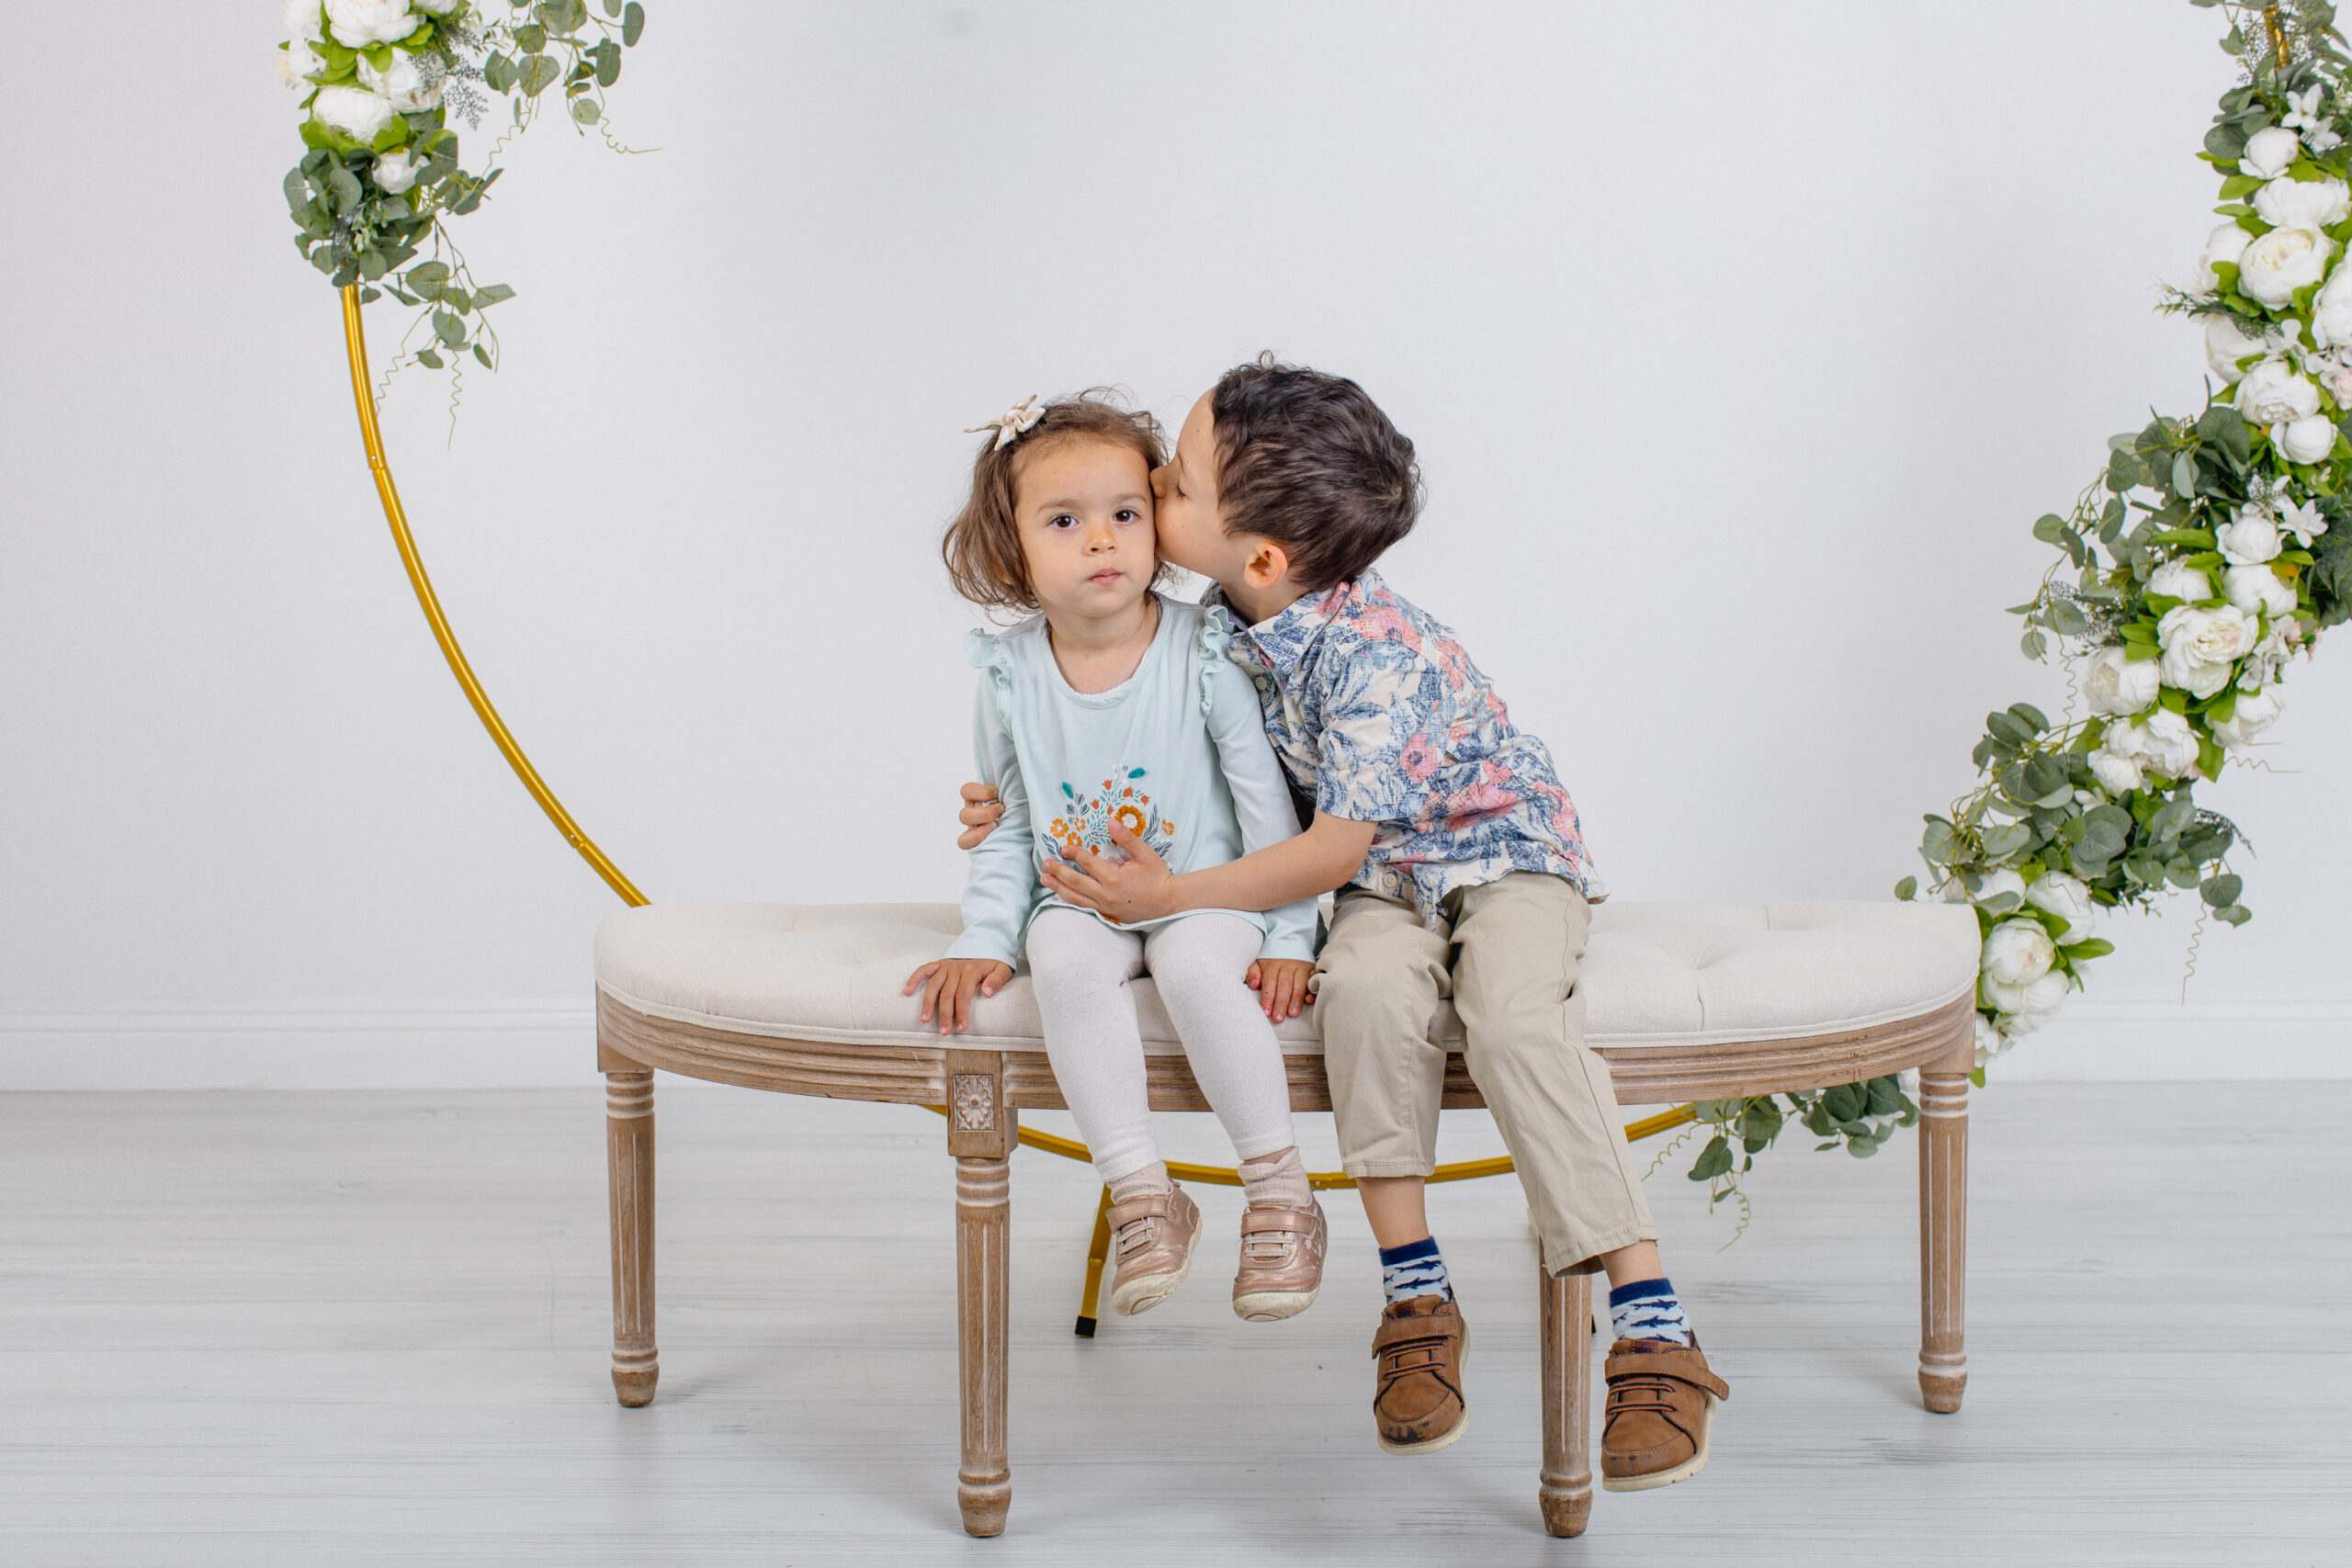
[301, 1328]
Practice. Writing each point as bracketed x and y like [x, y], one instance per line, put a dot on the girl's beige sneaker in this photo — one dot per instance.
[1282, 1260]
[1152, 1238]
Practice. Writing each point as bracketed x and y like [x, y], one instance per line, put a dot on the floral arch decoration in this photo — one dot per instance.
[2210, 550]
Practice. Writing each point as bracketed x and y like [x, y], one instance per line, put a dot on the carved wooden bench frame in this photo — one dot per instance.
[986, 1090]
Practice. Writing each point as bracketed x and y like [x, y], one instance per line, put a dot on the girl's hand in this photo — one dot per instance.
[1281, 985]
[1142, 889]
[948, 987]
[981, 808]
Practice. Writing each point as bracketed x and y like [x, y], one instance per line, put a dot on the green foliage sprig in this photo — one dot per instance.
[381, 81]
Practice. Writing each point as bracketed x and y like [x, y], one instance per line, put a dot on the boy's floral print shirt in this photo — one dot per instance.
[1379, 715]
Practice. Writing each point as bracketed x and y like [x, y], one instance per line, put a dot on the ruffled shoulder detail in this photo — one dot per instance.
[992, 652]
[1215, 639]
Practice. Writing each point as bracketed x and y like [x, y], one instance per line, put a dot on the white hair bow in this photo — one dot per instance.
[1014, 421]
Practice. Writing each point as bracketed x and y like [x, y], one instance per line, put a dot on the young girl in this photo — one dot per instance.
[1117, 705]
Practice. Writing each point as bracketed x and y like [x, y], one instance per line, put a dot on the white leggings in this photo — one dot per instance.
[1080, 968]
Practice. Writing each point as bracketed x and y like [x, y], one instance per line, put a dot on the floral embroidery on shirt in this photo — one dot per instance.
[1378, 715]
[1087, 822]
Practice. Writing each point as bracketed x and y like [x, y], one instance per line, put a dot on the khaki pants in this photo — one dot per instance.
[1507, 952]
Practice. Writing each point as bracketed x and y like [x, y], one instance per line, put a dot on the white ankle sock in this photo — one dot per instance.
[1143, 1183]
[1277, 1179]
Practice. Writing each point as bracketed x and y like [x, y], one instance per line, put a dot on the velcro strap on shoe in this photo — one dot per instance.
[1254, 1221]
[1400, 1331]
[1682, 1363]
[1152, 1206]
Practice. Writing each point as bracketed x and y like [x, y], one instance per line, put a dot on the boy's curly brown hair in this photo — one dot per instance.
[982, 547]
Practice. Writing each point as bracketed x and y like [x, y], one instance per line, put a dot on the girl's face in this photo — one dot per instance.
[1083, 507]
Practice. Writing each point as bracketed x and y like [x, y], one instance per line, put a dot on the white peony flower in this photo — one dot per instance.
[395, 172]
[356, 24]
[2118, 772]
[2307, 440]
[2303, 204]
[2251, 538]
[2119, 685]
[2201, 649]
[2273, 393]
[355, 112]
[2066, 897]
[1993, 884]
[403, 83]
[2259, 588]
[2256, 712]
[2167, 744]
[2028, 1006]
[2299, 521]
[2332, 312]
[2178, 580]
[2226, 344]
[2017, 951]
[2268, 152]
[303, 18]
[2282, 261]
[297, 63]
[2224, 245]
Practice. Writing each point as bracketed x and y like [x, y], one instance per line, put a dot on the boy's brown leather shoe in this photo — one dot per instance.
[1418, 1405]
[1661, 1398]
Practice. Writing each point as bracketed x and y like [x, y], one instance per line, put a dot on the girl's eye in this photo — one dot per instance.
[1128, 514]
[1061, 521]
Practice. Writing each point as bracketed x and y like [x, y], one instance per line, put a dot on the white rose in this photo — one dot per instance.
[2118, 772]
[2017, 951]
[403, 83]
[1993, 884]
[303, 18]
[2256, 712]
[2066, 897]
[2249, 539]
[2178, 580]
[2306, 440]
[2200, 649]
[2224, 245]
[297, 63]
[355, 112]
[356, 24]
[2258, 590]
[2120, 685]
[395, 172]
[2282, 261]
[2268, 152]
[2272, 393]
[2226, 344]
[2291, 203]
[2167, 745]
[2028, 1006]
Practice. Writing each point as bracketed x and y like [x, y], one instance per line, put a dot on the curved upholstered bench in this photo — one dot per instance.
[1686, 1002]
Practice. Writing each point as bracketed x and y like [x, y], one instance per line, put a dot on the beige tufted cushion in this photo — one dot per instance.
[1665, 975]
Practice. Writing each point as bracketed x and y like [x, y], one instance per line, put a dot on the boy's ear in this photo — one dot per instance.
[1268, 564]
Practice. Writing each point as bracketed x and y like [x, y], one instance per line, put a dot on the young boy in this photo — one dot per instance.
[1461, 871]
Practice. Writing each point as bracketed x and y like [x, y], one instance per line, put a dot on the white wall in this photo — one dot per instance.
[1741, 346]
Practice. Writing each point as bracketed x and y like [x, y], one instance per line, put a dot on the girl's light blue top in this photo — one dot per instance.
[1177, 753]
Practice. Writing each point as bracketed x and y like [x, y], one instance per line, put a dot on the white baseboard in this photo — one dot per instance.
[525, 1045]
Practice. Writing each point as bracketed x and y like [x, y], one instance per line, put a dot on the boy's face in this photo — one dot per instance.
[1191, 529]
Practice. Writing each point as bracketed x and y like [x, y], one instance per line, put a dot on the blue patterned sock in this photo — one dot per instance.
[1413, 1269]
[1647, 1309]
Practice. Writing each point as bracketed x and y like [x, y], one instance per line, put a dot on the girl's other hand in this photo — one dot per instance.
[981, 808]
[1281, 985]
[948, 987]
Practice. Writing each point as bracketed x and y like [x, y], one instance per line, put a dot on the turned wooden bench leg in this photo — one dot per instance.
[981, 1132]
[1943, 1225]
[629, 1154]
[1563, 1487]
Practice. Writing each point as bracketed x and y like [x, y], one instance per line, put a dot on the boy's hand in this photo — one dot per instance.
[1142, 889]
[981, 808]
[1281, 985]
[948, 987]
